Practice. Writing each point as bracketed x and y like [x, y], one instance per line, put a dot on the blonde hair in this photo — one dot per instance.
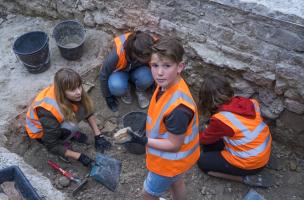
[68, 79]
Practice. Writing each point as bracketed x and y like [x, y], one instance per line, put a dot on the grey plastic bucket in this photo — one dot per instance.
[137, 121]
[32, 50]
[69, 36]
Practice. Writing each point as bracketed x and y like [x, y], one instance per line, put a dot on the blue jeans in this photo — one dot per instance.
[119, 81]
[156, 184]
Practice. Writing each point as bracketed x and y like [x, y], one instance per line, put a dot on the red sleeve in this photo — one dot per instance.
[215, 131]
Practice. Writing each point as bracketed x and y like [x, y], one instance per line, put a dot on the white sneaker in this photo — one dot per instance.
[160, 198]
[127, 98]
[142, 98]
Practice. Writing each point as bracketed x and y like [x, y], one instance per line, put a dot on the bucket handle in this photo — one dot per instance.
[33, 66]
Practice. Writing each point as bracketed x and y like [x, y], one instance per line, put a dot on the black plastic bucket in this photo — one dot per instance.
[32, 49]
[137, 121]
[69, 36]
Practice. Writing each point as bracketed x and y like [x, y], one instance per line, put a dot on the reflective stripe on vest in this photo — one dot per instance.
[162, 162]
[154, 131]
[32, 126]
[256, 106]
[120, 43]
[188, 138]
[249, 136]
[250, 146]
[46, 100]
[173, 156]
[253, 152]
[29, 122]
[120, 51]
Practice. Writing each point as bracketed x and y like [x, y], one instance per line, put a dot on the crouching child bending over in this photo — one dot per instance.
[237, 142]
[53, 116]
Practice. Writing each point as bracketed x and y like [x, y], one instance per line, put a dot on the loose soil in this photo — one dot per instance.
[288, 175]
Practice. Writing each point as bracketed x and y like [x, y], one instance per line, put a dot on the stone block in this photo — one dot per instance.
[242, 88]
[243, 42]
[292, 93]
[273, 110]
[294, 106]
[167, 25]
[287, 39]
[266, 96]
[217, 58]
[292, 75]
[265, 78]
[89, 19]
[280, 86]
[293, 120]
[88, 4]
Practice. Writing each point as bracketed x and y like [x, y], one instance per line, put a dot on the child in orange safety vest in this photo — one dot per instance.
[236, 142]
[127, 62]
[172, 140]
[53, 115]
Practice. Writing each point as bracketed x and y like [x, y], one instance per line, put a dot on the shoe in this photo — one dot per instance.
[258, 180]
[112, 103]
[127, 98]
[142, 98]
[253, 195]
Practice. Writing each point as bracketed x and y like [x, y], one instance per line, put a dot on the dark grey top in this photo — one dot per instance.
[178, 120]
[53, 134]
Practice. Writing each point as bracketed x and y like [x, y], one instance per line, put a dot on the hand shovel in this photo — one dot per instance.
[106, 171]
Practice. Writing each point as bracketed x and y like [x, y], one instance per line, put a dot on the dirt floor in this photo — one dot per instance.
[288, 173]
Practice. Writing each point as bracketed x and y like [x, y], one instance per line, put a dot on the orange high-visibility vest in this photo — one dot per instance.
[120, 51]
[250, 146]
[47, 100]
[172, 163]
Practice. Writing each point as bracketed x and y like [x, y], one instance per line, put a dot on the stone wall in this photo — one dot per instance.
[260, 50]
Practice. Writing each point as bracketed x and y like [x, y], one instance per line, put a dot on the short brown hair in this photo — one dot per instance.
[169, 47]
[214, 91]
[140, 44]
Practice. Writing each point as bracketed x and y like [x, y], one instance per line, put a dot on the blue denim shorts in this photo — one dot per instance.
[156, 184]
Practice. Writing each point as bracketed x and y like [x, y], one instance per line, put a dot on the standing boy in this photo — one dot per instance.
[172, 141]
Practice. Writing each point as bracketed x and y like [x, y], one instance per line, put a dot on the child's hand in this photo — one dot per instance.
[143, 140]
[101, 143]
